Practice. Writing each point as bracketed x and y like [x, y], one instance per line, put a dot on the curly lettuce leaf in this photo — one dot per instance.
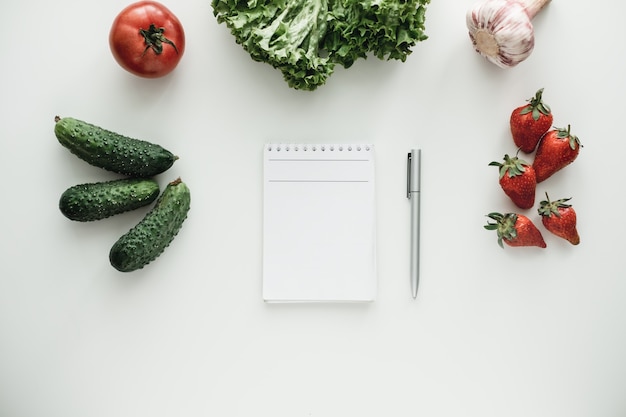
[387, 29]
[291, 43]
[305, 39]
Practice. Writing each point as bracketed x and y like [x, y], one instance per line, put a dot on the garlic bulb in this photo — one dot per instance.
[501, 30]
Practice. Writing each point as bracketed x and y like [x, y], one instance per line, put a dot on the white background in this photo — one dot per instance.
[494, 332]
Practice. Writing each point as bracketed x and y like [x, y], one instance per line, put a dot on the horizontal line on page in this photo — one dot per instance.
[318, 180]
[317, 160]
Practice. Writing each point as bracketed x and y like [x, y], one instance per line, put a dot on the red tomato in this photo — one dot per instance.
[147, 39]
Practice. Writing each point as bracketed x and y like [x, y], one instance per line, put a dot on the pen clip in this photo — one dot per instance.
[408, 175]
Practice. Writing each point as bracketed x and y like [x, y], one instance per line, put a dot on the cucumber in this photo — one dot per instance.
[112, 151]
[99, 200]
[148, 239]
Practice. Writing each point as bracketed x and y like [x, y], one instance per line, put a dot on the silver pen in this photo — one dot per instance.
[413, 194]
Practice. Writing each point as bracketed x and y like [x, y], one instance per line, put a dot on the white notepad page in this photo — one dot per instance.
[319, 225]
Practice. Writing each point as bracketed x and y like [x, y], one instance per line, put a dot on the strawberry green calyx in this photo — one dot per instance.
[547, 207]
[536, 106]
[563, 133]
[514, 166]
[504, 226]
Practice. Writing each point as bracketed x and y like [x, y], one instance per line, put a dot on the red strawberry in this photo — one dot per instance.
[515, 230]
[530, 122]
[559, 218]
[557, 149]
[517, 179]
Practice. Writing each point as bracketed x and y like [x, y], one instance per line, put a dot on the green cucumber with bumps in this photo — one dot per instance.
[99, 200]
[111, 151]
[148, 239]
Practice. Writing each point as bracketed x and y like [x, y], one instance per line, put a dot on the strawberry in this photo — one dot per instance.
[559, 218]
[557, 149]
[515, 230]
[517, 179]
[530, 122]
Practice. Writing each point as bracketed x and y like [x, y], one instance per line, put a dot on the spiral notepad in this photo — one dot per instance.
[319, 224]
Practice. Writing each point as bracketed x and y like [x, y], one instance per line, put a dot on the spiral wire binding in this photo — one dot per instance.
[315, 148]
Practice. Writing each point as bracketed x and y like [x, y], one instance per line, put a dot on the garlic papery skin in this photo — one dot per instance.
[502, 31]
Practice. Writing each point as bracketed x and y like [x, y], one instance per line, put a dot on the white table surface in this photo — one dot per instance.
[494, 332]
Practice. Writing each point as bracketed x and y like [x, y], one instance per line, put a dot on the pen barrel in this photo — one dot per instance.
[415, 240]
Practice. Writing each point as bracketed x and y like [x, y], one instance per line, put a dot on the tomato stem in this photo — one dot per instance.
[155, 38]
